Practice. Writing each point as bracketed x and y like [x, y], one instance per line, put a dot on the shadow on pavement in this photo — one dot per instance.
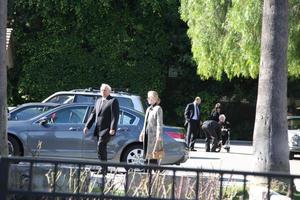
[203, 158]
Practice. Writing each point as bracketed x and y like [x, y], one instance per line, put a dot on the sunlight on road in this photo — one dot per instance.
[240, 158]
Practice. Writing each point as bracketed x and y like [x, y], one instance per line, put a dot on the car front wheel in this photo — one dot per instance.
[134, 155]
[14, 148]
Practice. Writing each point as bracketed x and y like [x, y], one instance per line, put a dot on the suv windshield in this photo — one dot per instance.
[79, 98]
[125, 102]
[61, 99]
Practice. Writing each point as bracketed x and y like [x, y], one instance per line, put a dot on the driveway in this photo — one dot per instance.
[240, 158]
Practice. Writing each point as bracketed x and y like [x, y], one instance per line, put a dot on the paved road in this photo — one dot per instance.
[240, 158]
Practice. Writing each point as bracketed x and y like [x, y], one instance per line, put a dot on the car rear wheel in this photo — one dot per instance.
[134, 155]
[14, 148]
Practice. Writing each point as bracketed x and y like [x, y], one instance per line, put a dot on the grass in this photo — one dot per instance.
[297, 195]
[235, 193]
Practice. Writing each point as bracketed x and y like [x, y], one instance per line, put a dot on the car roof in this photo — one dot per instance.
[113, 90]
[35, 104]
[86, 104]
[40, 104]
[93, 92]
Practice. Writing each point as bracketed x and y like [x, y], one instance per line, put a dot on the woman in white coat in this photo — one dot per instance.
[152, 132]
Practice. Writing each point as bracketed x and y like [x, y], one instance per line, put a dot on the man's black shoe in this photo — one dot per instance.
[193, 149]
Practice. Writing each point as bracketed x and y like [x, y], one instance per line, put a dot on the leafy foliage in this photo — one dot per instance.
[65, 44]
[225, 37]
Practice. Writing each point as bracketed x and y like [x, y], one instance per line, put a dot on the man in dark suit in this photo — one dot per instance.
[106, 116]
[212, 130]
[192, 121]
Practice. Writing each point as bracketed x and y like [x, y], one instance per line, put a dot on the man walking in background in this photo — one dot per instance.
[192, 122]
[106, 116]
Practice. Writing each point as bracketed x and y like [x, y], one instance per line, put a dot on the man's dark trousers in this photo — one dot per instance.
[102, 146]
[192, 133]
[211, 136]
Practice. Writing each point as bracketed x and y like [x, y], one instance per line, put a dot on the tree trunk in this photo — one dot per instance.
[270, 130]
[3, 79]
[270, 140]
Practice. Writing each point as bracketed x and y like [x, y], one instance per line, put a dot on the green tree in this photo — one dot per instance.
[3, 79]
[225, 37]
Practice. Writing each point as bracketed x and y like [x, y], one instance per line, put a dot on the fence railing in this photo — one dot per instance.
[39, 178]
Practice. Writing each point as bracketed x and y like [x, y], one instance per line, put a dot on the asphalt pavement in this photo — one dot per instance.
[240, 158]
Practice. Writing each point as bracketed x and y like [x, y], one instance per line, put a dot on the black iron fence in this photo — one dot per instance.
[32, 178]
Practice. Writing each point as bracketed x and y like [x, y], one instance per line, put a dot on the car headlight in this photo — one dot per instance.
[294, 140]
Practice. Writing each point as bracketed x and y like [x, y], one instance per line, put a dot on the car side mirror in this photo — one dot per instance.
[43, 121]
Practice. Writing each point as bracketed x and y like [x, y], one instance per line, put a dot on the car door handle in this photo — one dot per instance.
[73, 129]
[123, 129]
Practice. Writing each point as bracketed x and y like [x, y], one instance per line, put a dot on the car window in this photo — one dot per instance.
[126, 118]
[27, 113]
[293, 124]
[63, 98]
[85, 98]
[125, 102]
[68, 115]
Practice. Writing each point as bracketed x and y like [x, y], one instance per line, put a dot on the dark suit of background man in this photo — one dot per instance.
[106, 116]
[192, 121]
[213, 131]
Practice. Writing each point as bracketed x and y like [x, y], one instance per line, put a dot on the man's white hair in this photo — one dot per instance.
[106, 86]
[222, 118]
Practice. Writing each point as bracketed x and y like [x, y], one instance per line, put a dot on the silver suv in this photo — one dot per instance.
[91, 95]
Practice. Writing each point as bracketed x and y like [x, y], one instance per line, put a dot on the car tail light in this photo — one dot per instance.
[175, 135]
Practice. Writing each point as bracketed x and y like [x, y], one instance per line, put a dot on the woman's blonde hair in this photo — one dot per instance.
[218, 105]
[154, 94]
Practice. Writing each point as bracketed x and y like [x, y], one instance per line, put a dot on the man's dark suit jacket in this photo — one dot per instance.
[106, 116]
[189, 113]
[213, 127]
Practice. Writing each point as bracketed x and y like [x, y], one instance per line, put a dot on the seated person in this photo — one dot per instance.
[212, 131]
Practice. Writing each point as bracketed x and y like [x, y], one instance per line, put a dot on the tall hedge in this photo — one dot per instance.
[66, 44]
